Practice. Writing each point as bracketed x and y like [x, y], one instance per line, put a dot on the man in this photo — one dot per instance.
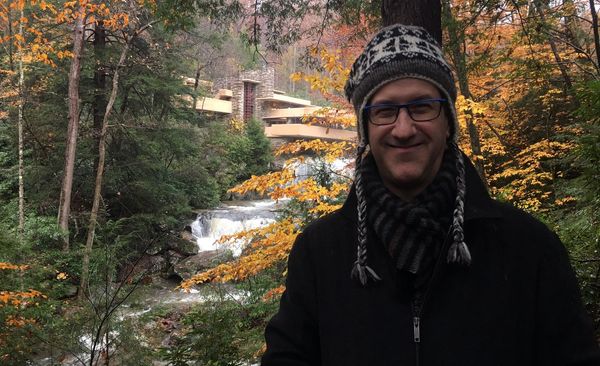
[452, 277]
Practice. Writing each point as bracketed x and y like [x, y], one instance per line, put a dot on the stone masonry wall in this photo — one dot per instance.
[265, 78]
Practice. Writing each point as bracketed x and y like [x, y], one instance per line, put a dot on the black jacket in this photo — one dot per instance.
[517, 304]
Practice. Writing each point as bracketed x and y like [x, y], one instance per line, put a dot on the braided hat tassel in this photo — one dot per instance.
[459, 252]
[361, 270]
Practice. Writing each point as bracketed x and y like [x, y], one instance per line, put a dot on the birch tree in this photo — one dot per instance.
[73, 127]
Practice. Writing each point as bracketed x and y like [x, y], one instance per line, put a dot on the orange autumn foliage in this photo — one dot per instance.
[515, 104]
[17, 301]
[43, 41]
[270, 245]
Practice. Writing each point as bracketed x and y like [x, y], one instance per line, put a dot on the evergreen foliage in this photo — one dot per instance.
[540, 143]
[579, 223]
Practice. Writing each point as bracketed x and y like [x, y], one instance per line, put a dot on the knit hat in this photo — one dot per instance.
[398, 52]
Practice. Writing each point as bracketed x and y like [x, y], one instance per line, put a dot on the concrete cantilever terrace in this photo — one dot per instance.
[251, 94]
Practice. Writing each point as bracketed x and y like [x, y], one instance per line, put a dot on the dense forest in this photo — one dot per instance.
[104, 160]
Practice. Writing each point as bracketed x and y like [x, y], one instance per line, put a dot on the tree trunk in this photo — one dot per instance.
[72, 130]
[89, 243]
[99, 77]
[196, 84]
[561, 66]
[9, 30]
[571, 26]
[457, 44]
[595, 29]
[423, 13]
[100, 175]
[21, 227]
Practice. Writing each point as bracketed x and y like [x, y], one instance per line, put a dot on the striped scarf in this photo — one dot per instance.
[412, 232]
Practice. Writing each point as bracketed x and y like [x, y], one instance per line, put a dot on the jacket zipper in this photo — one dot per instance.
[418, 305]
[416, 332]
[417, 308]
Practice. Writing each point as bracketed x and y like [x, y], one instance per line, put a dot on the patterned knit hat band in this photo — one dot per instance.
[370, 83]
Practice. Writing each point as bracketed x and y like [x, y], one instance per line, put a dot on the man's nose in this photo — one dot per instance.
[404, 125]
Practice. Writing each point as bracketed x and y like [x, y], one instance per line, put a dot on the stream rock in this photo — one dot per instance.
[186, 244]
[146, 266]
[68, 291]
[173, 258]
[200, 262]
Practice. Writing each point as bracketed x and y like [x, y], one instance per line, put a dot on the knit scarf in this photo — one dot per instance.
[412, 232]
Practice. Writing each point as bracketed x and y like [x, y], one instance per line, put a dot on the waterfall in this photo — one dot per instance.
[231, 218]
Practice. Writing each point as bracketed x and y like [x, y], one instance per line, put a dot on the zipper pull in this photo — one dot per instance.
[417, 329]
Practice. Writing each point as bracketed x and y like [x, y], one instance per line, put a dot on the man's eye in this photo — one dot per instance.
[383, 112]
[421, 108]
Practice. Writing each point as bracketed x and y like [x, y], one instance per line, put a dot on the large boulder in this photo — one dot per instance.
[201, 262]
[146, 266]
[186, 244]
[173, 258]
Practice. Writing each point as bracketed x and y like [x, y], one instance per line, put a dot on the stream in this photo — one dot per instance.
[229, 218]
[162, 296]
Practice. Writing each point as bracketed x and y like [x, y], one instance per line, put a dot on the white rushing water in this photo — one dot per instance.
[231, 218]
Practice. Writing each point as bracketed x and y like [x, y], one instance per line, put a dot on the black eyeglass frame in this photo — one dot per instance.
[407, 106]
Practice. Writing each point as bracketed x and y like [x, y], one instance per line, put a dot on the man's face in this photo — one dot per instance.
[408, 153]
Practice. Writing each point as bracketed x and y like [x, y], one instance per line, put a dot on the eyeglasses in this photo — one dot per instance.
[419, 110]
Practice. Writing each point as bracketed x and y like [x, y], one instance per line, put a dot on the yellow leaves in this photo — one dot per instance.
[316, 194]
[19, 38]
[18, 321]
[117, 21]
[273, 293]
[330, 150]
[469, 107]
[17, 5]
[236, 125]
[62, 276]
[17, 299]
[323, 208]
[269, 245]
[15, 267]
[469, 110]
[5, 297]
[526, 180]
[332, 80]
[296, 76]
[263, 183]
[89, 11]
[284, 184]
[307, 190]
[64, 54]
[331, 117]
[565, 201]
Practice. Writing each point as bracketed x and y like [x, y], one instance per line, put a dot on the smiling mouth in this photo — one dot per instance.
[404, 147]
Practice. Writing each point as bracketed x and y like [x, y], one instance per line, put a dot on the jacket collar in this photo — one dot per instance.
[478, 203]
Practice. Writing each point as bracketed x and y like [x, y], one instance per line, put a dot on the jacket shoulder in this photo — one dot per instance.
[327, 223]
[520, 219]
[523, 228]
[332, 233]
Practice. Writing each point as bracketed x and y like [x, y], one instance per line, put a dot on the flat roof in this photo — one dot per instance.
[286, 99]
